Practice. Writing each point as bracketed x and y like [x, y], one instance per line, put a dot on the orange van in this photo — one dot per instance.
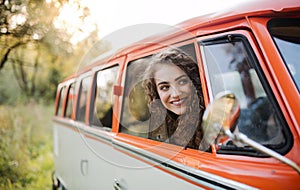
[249, 73]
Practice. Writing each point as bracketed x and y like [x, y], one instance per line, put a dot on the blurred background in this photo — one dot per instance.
[41, 42]
[39, 46]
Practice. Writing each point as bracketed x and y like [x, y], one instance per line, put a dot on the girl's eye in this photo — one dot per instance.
[164, 88]
[183, 81]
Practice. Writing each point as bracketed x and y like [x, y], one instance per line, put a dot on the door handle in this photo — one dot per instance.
[84, 167]
[117, 185]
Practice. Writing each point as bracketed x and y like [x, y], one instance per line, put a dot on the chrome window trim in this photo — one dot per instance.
[200, 177]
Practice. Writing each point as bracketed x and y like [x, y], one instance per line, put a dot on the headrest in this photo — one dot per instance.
[138, 103]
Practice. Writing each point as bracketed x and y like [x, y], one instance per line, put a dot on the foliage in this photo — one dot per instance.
[9, 90]
[26, 160]
[39, 46]
[42, 42]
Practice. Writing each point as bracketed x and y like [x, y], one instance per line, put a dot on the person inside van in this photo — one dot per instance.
[175, 100]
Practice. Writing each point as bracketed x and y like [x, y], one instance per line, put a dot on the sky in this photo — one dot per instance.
[129, 16]
[113, 15]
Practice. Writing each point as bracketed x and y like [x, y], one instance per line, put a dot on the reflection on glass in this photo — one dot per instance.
[135, 114]
[230, 68]
[103, 108]
[61, 100]
[286, 34]
[70, 101]
[81, 109]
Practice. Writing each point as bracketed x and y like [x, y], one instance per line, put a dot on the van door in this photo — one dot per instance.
[148, 160]
[138, 167]
[231, 65]
[64, 136]
[98, 166]
[232, 62]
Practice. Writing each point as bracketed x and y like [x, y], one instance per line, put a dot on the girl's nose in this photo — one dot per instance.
[175, 92]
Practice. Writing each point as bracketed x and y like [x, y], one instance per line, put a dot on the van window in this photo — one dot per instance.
[135, 113]
[70, 101]
[82, 99]
[102, 106]
[286, 34]
[230, 66]
[157, 118]
[60, 101]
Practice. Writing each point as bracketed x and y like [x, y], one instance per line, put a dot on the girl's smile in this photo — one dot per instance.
[173, 87]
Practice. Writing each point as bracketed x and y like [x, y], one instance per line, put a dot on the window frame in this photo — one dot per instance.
[249, 43]
[80, 83]
[69, 86]
[60, 100]
[283, 22]
[93, 95]
[125, 78]
[132, 58]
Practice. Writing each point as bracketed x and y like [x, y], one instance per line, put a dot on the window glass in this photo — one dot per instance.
[135, 114]
[103, 105]
[82, 99]
[230, 67]
[163, 99]
[70, 100]
[60, 100]
[286, 34]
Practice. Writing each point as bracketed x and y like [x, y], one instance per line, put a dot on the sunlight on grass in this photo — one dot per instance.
[26, 161]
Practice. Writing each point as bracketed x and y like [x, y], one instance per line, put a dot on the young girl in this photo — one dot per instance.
[176, 103]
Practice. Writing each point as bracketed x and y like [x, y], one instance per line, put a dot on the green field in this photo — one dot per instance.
[26, 160]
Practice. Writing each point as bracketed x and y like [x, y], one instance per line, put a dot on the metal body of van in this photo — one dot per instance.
[251, 51]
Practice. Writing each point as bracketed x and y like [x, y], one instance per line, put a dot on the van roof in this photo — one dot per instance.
[244, 9]
[240, 10]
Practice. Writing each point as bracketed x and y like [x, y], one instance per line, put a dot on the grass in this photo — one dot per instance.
[26, 160]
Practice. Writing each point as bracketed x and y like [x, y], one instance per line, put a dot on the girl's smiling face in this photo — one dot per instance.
[174, 87]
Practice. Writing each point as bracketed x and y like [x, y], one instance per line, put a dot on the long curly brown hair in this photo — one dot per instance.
[183, 130]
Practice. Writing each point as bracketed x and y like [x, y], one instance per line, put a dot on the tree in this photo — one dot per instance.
[41, 43]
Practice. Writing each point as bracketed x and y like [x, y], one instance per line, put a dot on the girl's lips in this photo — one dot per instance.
[178, 102]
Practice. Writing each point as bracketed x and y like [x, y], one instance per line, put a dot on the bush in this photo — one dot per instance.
[26, 160]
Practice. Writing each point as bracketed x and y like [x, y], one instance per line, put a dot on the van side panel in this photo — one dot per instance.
[77, 165]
